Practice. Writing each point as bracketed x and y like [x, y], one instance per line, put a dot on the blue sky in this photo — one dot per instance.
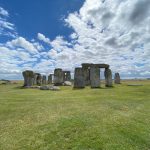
[33, 16]
[42, 36]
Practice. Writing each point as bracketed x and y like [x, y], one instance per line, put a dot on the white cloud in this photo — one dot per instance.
[23, 43]
[3, 12]
[108, 34]
[43, 38]
[6, 28]
[114, 32]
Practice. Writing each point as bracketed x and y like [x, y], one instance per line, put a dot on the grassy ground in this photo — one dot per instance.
[88, 119]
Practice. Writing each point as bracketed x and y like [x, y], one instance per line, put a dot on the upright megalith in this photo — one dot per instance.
[117, 78]
[95, 76]
[86, 72]
[28, 78]
[43, 79]
[66, 76]
[50, 79]
[58, 76]
[79, 81]
[35, 78]
[39, 79]
[108, 77]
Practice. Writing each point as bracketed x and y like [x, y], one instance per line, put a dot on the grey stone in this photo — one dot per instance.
[86, 72]
[79, 81]
[108, 78]
[44, 87]
[35, 78]
[117, 78]
[52, 88]
[39, 79]
[28, 78]
[44, 79]
[86, 65]
[95, 77]
[67, 83]
[58, 77]
[50, 79]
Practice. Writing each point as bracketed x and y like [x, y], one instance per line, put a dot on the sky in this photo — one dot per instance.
[44, 35]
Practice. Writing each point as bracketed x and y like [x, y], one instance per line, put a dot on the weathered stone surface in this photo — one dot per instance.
[39, 79]
[35, 78]
[66, 76]
[67, 83]
[79, 81]
[95, 77]
[50, 79]
[117, 78]
[44, 79]
[86, 72]
[28, 77]
[106, 66]
[58, 77]
[86, 65]
[53, 88]
[108, 78]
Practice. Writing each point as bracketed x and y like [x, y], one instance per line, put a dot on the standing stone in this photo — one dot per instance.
[86, 72]
[44, 79]
[108, 77]
[95, 77]
[28, 78]
[79, 81]
[50, 79]
[58, 77]
[66, 76]
[35, 78]
[117, 78]
[39, 79]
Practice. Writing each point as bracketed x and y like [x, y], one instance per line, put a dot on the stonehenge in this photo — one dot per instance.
[43, 79]
[95, 76]
[58, 76]
[91, 75]
[117, 78]
[39, 79]
[50, 79]
[87, 75]
[79, 80]
[108, 77]
[86, 72]
[35, 78]
[28, 78]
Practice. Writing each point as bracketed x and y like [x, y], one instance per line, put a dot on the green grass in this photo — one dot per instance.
[87, 119]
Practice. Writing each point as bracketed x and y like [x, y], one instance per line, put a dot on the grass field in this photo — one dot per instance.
[88, 119]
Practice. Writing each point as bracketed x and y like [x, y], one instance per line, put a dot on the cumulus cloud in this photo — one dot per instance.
[43, 38]
[23, 43]
[114, 32]
[108, 34]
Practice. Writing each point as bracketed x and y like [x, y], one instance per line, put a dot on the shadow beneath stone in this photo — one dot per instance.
[25, 87]
[78, 88]
[19, 87]
[135, 85]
